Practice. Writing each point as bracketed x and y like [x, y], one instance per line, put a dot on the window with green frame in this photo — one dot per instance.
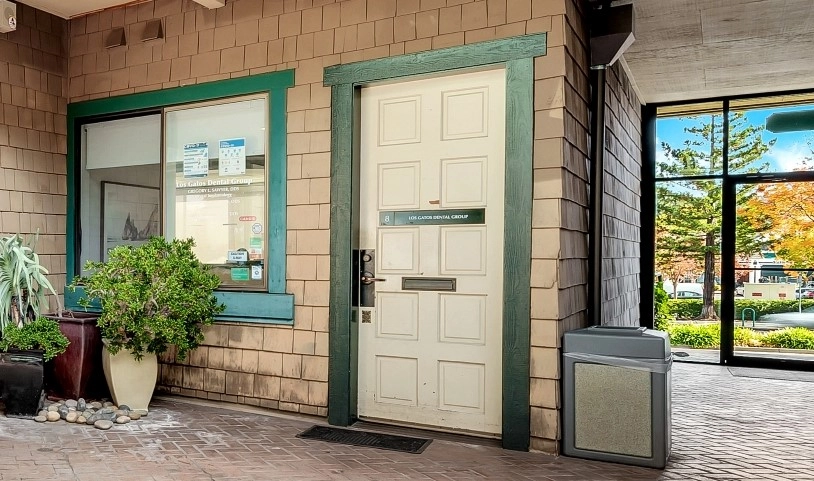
[206, 161]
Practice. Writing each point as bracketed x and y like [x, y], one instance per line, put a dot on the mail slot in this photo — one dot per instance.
[428, 284]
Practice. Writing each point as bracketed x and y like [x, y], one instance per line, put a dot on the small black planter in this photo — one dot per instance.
[21, 377]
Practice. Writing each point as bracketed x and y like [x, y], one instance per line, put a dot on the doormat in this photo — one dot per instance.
[403, 444]
[772, 374]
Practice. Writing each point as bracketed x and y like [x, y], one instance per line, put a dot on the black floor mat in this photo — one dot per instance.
[403, 444]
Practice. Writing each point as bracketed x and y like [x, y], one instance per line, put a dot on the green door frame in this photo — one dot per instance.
[517, 56]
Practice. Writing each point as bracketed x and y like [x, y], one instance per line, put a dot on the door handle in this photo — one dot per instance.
[367, 278]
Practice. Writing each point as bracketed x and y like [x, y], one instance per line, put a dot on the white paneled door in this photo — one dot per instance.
[432, 176]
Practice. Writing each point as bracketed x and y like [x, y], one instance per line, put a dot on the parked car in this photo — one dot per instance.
[686, 295]
[805, 293]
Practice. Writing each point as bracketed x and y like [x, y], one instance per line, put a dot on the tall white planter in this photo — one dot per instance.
[131, 382]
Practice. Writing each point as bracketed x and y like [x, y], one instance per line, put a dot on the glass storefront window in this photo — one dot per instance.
[772, 134]
[120, 179]
[215, 187]
[690, 140]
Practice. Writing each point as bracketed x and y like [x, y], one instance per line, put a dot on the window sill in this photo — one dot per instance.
[251, 307]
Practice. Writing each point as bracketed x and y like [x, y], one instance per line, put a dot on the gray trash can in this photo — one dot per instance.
[616, 383]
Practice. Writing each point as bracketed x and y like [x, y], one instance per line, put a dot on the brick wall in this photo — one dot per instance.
[285, 367]
[33, 103]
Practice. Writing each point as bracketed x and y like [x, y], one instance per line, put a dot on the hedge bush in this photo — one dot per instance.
[661, 309]
[701, 336]
[708, 336]
[691, 308]
[790, 338]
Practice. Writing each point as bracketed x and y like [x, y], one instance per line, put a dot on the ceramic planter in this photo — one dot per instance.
[21, 377]
[131, 382]
[76, 372]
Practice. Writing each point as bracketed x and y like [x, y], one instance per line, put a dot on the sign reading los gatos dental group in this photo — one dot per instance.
[432, 217]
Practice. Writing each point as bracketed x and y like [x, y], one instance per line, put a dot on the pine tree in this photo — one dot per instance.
[689, 212]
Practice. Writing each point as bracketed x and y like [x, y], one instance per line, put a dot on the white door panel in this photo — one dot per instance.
[434, 357]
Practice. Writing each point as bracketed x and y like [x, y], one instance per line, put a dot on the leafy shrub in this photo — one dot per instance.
[769, 307]
[691, 308]
[661, 309]
[701, 336]
[41, 334]
[747, 337]
[708, 336]
[23, 282]
[152, 296]
[685, 308]
[790, 338]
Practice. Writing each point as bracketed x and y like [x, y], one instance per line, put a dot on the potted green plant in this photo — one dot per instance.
[26, 340]
[152, 296]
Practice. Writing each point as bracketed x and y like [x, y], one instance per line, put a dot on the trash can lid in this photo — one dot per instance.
[632, 342]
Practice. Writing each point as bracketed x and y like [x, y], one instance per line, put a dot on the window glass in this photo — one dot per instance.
[687, 261]
[773, 134]
[120, 180]
[215, 187]
[689, 140]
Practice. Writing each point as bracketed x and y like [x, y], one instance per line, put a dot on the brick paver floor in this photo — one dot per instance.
[724, 427]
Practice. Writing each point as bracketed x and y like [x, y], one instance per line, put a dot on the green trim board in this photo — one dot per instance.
[517, 55]
[517, 253]
[433, 61]
[275, 84]
[341, 409]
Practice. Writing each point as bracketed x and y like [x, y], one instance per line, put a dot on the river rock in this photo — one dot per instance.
[107, 404]
[103, 424]
[87, 413]
[52, 416]
[122, 420]
[135, 416]
[106, 410]
[63, 411]
[124, 407]
[120, 412]
[81, 420]
[71, 403]
[71, 417]
[81, 405]
[53, 408]
[40, 418]
[96, 405]
[43, 412]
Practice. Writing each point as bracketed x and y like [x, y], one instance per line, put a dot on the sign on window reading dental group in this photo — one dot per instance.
[222, 208]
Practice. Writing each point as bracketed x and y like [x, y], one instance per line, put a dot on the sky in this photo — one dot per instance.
[787, 154]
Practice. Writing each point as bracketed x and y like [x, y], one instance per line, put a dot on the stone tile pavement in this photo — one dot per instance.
[725, 428]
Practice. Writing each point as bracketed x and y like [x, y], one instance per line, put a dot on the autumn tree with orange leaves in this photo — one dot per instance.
[785, 212]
